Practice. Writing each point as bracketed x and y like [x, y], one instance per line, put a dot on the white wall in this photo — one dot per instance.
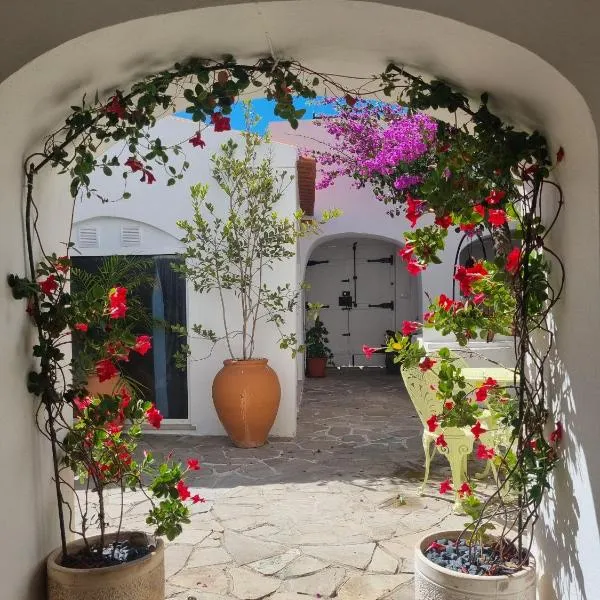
[155, 209]
[522, 81]
[364, 216]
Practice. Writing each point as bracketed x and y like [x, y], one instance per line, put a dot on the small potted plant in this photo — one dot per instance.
[318, 353]
[97, 446]
[230, 247]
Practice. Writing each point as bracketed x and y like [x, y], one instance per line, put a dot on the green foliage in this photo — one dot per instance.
[316, 341]
[230, 247]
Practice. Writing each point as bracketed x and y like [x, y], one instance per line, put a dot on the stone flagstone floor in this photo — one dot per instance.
[332, 513]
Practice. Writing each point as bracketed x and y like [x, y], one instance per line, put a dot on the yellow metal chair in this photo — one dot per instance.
[460, 440]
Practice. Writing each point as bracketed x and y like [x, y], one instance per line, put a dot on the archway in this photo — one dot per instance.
[365, 290]
[502, 67]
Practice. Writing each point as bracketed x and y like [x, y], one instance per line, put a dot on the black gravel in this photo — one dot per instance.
[111, 555]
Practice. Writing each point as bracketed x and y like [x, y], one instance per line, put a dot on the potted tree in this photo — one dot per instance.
[318, 353]
[229, 249]
[94, 438]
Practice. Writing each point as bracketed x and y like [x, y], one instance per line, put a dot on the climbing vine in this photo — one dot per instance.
[474, 173]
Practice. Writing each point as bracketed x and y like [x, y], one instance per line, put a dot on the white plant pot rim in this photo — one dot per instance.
[476, 583]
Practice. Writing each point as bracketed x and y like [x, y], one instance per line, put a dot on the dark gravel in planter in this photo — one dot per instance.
[473, 560]
[111, 555]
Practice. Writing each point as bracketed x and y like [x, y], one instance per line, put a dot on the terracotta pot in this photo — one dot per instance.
[142, 579]
[94, 385]
[246, 394]
[433, 582]
[315, 367]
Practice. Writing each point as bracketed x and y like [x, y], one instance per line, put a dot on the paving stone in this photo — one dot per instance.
[353, 555]
[382, 562]
[303, 565]
[204, 557]
[176, 557]
[245, 549]
[203, 579]
[319, 491]
[248, 585]
[370, 587]
[270, 566]
[324, 582]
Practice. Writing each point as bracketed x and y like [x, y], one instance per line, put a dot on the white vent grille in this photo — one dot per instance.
[131, 236]
[88, 237]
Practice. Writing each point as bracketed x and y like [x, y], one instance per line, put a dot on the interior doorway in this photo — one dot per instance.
[366, 292]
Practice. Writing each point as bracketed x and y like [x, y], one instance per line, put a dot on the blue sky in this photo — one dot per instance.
[264, 109]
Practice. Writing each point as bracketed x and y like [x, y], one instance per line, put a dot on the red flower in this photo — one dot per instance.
[466, 276]
[467, 227]
[82, 403]
[116, 107]
[429, 316]
[560, 154]
[432, 423]
[410, 327]
[532, 444]
[62, 264]
[484, 453]
[148, 176]
[426, 364]
[196, 140]
[436, 546]
[482, 391]
[444, 302]
[197, 498]
[49, 285]
[117, 301]
[81, 327]
[445, 487]
[105, 369]
[440, 441]
[154, 417]
[125, 397]
[513, 261]
[182, 490]
[414, 209]
[479, 209]
[497, 217]
[368, 351]
[134, 164]
[449, 405]
[142, 344]
[414, 267]
[193, 464]
[479, 298]
[495, 196]
[444, 221]
[125, 457]
[465, 490]
[406, 252]
[477, 430]
[114, 427]
[556, 435]
[220, 122]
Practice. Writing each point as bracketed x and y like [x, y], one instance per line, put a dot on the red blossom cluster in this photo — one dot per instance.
[135, 166]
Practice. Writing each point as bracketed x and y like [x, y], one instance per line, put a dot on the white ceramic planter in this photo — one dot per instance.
[433, 582]
[142, 579]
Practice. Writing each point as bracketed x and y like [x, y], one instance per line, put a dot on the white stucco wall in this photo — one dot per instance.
[155, 209]
[324, 34]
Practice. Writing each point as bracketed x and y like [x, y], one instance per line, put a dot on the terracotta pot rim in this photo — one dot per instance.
[251, 362]
[57, 553]
[422, 544]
